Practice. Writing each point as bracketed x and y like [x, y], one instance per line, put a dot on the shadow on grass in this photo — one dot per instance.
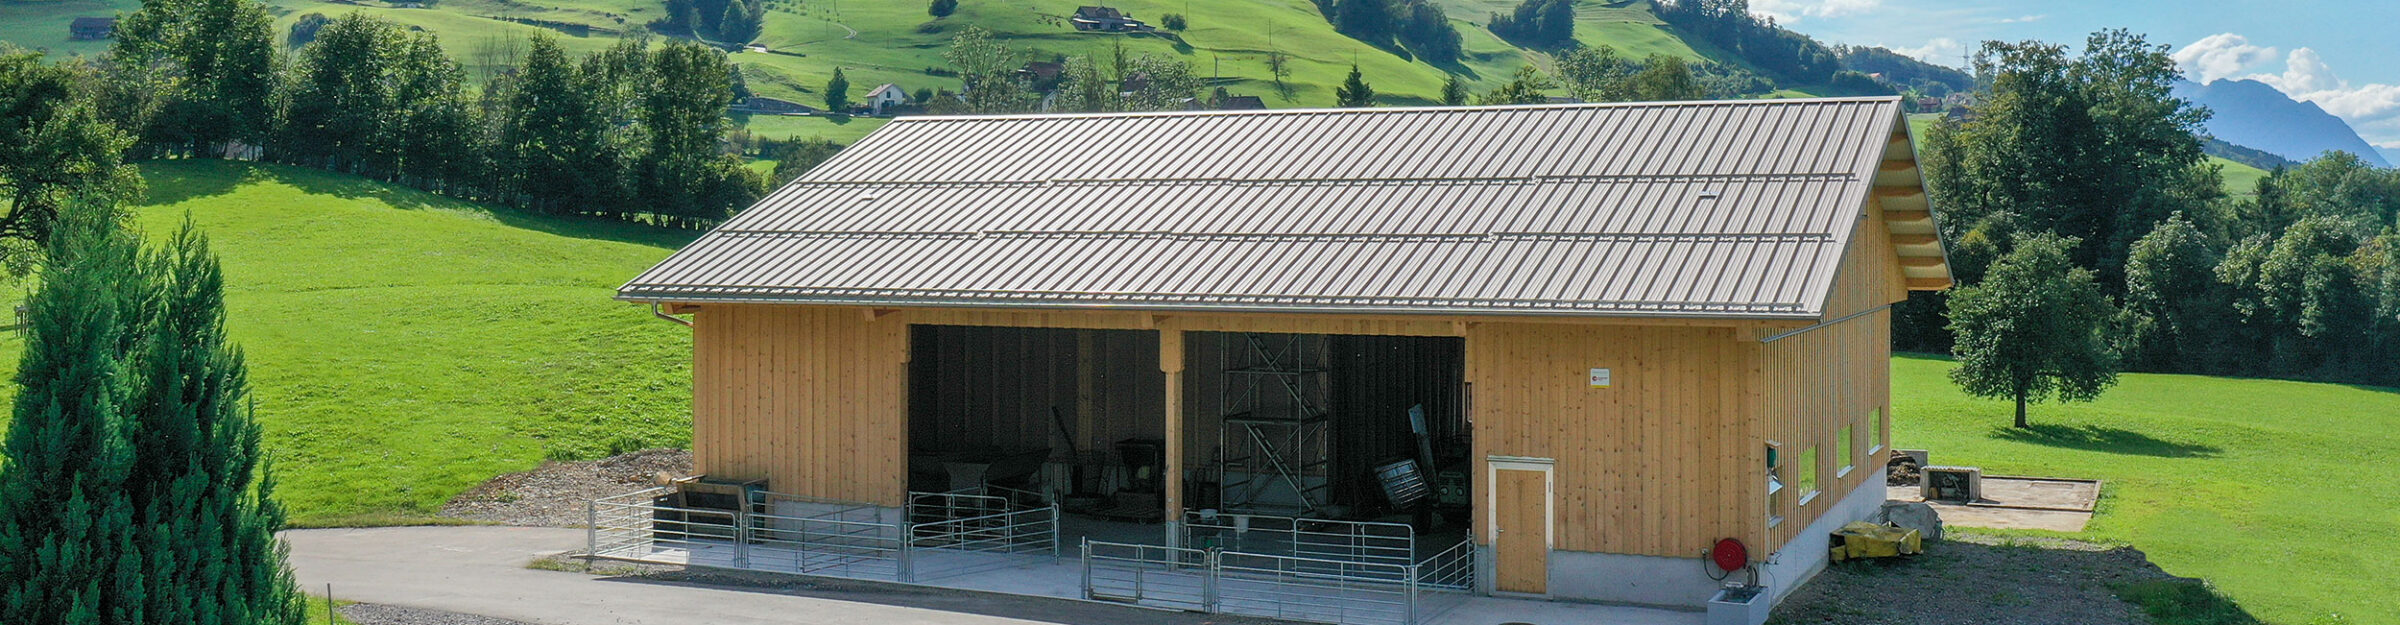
[191, 180]
[2104, 439]
[183, 180]
[2183, 602]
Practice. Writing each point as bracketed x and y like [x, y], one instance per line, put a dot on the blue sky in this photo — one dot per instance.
[2342, 55]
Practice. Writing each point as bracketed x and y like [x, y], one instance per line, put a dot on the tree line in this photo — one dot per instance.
[2091, 234]
[1789, 57]
[1416, 25]
[632, 132]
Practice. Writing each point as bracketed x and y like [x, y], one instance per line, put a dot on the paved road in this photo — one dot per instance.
[481, 570]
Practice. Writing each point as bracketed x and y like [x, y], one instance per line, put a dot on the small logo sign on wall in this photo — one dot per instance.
[1600, 378]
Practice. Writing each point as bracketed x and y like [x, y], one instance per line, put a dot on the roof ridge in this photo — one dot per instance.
[1838, 175]
[1373, 110]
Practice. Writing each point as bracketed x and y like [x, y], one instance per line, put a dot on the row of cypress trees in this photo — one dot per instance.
[132, 489]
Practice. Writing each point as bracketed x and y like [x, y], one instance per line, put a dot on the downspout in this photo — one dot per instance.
[1797, 332]
[657, 311]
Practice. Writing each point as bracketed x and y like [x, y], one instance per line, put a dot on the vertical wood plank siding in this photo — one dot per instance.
[810, 399]
[1835, 376]
[1656, 464]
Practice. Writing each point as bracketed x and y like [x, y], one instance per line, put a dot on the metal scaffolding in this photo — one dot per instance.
[1276, 428]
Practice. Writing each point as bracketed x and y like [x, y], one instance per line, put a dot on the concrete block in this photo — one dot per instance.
[1913, 515]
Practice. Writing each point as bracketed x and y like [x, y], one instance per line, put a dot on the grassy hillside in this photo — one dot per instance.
[2281, 493]
[2240, 179]
[404, 347]
[895, 41]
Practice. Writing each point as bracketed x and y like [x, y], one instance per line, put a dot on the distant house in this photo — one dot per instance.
[762, 105]
[1242, 103]
[1929, 105]
[885, 96]
[91, 28]
[1041, 70]
[1106, 19]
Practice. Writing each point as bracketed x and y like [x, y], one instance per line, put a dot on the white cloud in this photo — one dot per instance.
[1940, 51]
[1790, 11]
[2222, 55]
[2028, 19]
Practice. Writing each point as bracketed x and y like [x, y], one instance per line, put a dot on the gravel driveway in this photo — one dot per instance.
[1972, 579]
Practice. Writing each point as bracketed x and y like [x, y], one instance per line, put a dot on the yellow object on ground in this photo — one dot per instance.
[1868, 540]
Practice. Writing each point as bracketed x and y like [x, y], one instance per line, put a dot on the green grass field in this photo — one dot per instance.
[405, 347]
[2240, 179]
[842, 130]
[43, 25]
[2283, 494]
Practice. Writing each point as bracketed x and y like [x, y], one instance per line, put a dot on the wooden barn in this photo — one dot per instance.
[1586, 341]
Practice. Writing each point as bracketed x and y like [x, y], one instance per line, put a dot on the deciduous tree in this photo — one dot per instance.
[2174, 313]
[2033, 328]
[57, 154]
[1526, 87]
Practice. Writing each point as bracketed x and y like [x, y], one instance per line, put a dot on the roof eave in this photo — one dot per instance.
[643, 297]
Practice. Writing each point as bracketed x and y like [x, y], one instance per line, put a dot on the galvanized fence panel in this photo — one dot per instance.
[1150, 575]
[824, 544]
[983, 543]
[1451, 569]
[1316, 589]
[937, 534]
[1344, 541]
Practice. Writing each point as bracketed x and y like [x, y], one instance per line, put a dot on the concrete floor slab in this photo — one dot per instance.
[2062, 505]
[481, 570]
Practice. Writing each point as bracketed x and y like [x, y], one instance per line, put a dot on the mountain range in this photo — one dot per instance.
[2256, 115]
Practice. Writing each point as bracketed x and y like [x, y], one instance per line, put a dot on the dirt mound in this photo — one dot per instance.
[1902, 471]
[556, 494]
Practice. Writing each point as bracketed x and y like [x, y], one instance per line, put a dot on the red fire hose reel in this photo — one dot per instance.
[1727, 556]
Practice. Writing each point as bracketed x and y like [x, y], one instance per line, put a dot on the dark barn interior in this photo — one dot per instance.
[1277, 424]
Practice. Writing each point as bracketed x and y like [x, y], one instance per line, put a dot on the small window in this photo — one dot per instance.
[1883, 428]
[1843, 449]
[1808, 475]
[1774, 484]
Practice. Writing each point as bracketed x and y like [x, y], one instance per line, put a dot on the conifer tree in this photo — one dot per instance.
[132, 490]
[837, 93]
[1454, 91]
[1354, 91]
[205, 503]
[67, 552]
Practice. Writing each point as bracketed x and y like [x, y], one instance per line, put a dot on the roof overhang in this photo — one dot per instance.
[1899, 191]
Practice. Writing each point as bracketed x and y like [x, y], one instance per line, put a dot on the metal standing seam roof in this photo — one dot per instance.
[1734, 209]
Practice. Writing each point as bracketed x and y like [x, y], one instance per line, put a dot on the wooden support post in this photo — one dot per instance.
[1170, 362]
[1088, 378]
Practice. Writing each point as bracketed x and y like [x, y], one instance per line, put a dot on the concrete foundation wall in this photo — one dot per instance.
[1806, 554]
[1683, 583]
